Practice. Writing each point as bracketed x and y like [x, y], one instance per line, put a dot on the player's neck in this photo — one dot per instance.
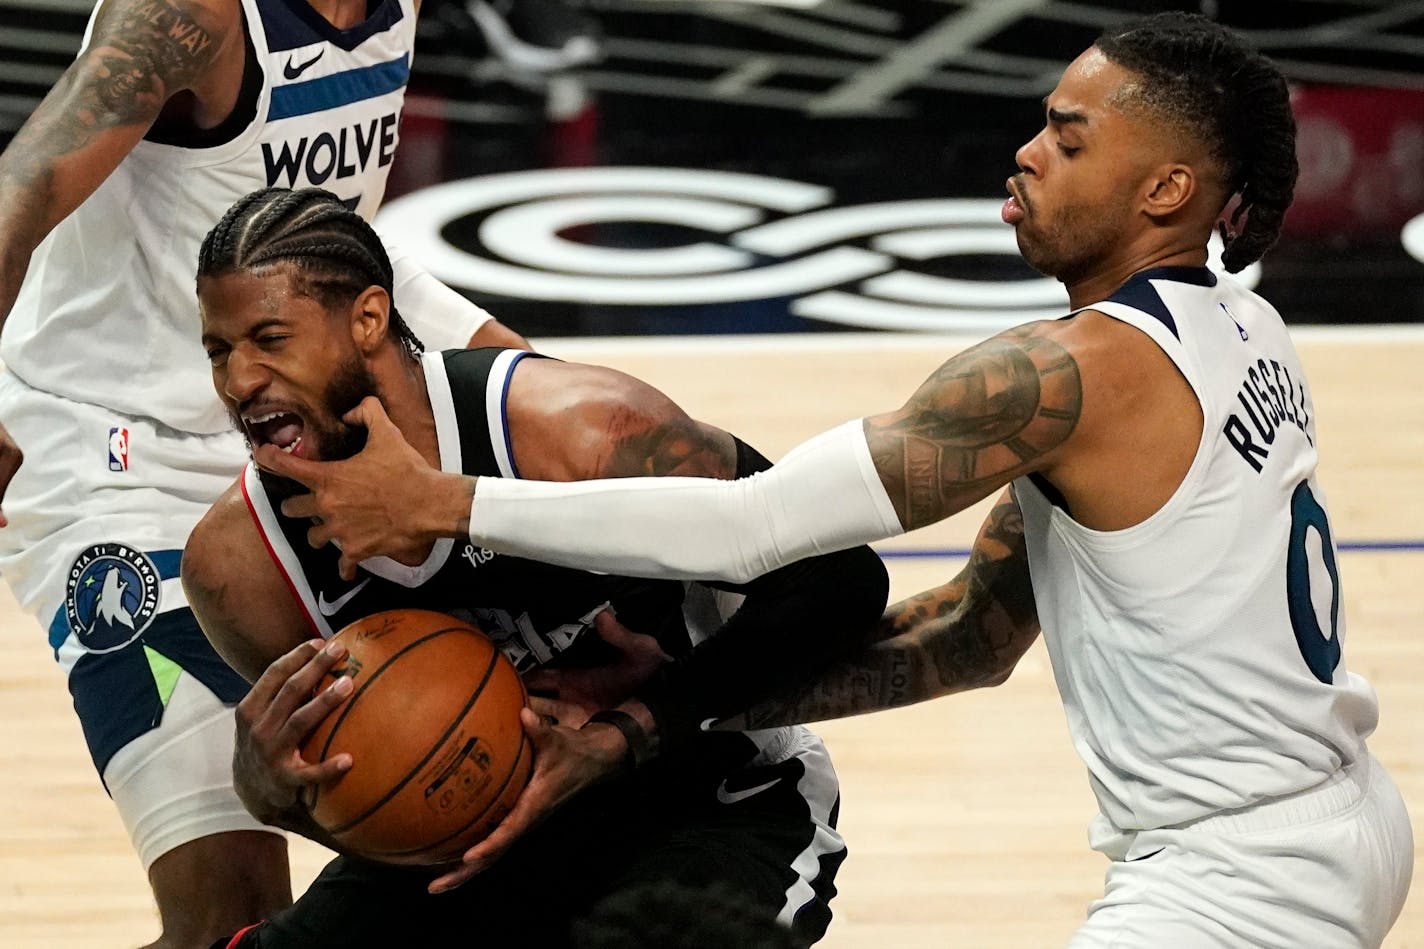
[1104, 280]
[342, 14]
[407, 401]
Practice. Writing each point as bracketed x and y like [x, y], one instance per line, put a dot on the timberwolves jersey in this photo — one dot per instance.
[1199, 653]
[107, 313]
[536, 613]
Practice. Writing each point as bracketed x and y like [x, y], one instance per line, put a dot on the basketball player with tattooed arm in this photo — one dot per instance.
[1158, 518]
[172, 110]
[301, 326]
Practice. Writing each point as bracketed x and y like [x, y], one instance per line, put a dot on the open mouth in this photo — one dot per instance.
[281, 428]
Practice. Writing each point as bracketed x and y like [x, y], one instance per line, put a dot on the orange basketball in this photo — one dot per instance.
[432, 727]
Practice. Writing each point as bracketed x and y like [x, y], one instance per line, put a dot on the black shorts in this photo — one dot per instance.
[766, 846]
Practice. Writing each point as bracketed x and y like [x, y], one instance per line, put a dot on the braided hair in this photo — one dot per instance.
[1202, 78]
[335, 253]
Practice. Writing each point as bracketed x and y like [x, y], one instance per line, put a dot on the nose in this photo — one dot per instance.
[244, 377]
[1027, 155]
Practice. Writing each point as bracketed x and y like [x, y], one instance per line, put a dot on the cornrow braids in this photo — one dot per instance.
[1206, 80]
[336, 254]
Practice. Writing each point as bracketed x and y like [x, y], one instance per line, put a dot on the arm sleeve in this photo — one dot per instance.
[793, 623]
[824, 495]
[440, 317]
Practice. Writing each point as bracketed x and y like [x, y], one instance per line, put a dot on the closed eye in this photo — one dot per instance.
[1068, 151]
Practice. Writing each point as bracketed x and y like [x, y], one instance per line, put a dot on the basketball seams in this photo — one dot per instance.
[435, 746]
[524, 745]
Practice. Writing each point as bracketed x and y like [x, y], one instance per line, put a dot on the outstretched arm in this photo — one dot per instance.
[988, 415]
[1001, 409]
[966, 634]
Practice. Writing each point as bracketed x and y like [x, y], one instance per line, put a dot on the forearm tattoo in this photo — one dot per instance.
[963, 635]
[142, 53]
[983, 416]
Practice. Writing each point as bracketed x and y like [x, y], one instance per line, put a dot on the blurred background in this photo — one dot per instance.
[631, 167]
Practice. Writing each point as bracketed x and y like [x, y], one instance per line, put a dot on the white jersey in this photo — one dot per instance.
[1198, 653]
[108, 313]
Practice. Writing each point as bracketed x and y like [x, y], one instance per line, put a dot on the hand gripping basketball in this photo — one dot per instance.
[566, 760]
[432, 726]
[273, 719]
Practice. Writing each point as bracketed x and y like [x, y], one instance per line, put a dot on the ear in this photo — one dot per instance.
[370, 319]
[1170, 189]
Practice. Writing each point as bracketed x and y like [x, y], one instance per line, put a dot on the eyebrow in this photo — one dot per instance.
[251, 331]
[1059, 117]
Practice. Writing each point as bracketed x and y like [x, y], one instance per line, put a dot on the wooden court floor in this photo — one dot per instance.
[966, 817]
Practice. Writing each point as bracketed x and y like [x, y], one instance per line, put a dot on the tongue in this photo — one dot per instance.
[285, 433]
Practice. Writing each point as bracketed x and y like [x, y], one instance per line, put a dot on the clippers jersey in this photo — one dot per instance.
[107, 313]
[1198, 653]
[534, 611]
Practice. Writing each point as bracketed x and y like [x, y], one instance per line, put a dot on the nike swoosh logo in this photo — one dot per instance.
[732, 797]
[292, 72]
[332, 607]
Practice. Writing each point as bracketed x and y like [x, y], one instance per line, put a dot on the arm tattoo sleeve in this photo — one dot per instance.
[966, 634]
[982, 418]
[141, 54]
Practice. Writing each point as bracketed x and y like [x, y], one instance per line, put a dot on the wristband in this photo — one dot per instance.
[633, 734]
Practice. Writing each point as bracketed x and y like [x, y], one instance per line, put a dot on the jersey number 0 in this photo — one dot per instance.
[1319, 641]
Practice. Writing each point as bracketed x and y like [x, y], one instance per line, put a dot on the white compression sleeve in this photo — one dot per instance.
[824, 495]
[440, 317]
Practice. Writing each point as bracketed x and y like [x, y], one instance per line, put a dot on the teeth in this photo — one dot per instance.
[292, 447]
[259, 419]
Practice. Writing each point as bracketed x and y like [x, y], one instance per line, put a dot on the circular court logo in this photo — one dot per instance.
[873, 266]
[112, 596]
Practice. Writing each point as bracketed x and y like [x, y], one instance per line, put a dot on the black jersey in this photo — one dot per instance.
[536, 612]
[772, 794]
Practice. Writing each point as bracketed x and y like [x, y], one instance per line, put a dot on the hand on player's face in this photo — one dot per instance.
[273, 720]
[566, 761]
[10, 460]
[367, 503]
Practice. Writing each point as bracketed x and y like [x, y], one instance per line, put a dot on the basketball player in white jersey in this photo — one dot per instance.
[1158, 519]
[172, 110]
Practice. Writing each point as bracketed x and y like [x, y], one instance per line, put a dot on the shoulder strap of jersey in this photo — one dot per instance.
[479, 384]
[1138, 304]
[280, 535]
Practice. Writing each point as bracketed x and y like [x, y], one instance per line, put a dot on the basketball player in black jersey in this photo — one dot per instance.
[300, 326]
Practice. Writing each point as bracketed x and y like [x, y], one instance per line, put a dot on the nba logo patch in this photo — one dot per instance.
[118, 449]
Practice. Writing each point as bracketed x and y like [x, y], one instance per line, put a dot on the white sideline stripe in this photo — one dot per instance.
[895, 342]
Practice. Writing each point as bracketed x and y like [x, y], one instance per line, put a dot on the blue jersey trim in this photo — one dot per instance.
[504, 412]
[292, 24]
[343, 88]
[1139, 293]
[168, 563]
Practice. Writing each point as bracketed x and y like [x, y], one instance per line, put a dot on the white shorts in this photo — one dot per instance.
[1328, 868]
[99, 513]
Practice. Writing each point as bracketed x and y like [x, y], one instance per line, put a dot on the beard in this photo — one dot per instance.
[1072, 242]
[333, 439]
